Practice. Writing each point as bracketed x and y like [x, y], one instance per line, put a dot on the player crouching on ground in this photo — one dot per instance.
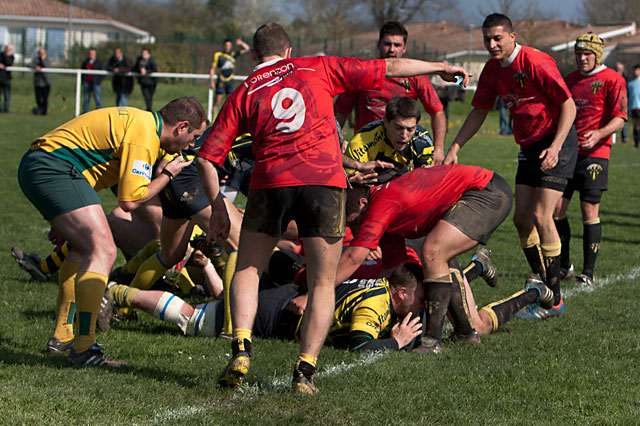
[453, 207]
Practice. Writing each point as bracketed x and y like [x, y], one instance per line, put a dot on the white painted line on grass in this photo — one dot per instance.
[277, 383]
[602, 282]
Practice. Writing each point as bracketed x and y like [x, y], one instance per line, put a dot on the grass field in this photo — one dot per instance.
[581, 368]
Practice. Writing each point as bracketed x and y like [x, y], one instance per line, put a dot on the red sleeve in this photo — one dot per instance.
[222, 134]
[376, 221]
[428, 95]
[345, 103]
[617, 98]
[349, 74]
[485, 96]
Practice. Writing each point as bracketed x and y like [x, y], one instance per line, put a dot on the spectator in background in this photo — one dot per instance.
[41, 82]
[6, 60]
[92, 83]
[145, 64]
[634, 103]
[120, 64]
[221, 72]
[506, 122]
[620, 70]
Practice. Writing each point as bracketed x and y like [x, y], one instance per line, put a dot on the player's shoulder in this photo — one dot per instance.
[422, 137]
[370, 128]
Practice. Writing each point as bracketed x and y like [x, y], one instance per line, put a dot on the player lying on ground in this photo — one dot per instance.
[368, 315]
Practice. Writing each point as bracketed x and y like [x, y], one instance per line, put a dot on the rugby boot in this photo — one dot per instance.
[545, 295]
[30, 263]
[93, 357]
[54, 346]
[489, 272]
[233, 374]
[303, 379]
[585, 280]
[429, 345]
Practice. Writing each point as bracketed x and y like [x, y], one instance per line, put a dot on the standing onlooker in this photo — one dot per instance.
[41, 82]
[6, 60]
[120, 64]
[145, 65]
[634, 103]
[92, 83]
[221, 72]
[620, 70]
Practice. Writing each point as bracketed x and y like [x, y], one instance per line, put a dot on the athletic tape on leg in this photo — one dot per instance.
[169, 309]
[203, 320]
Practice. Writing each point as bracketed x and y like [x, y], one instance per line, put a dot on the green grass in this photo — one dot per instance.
[580, 368]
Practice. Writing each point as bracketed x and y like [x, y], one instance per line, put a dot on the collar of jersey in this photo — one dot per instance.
[158, 118]
[596, 70]
[512, 58]
[266, 64]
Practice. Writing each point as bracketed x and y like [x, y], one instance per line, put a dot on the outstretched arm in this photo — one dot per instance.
[404, 67]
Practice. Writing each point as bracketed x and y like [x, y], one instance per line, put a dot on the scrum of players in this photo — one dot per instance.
[348, 243]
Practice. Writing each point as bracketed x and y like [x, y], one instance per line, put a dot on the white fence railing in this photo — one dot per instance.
[80, 72]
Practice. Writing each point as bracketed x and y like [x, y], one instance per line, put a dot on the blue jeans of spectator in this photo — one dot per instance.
[506, 122]
[90, 88]
[5, 90]
[625, 133]
[121, 98]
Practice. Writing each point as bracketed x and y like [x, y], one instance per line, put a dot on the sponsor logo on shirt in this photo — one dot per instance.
[141, 168]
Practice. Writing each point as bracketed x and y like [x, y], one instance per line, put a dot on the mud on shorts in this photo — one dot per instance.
[317, 210]
[529, 172]
[478, 213]
[589, 179]
[54, 186]
[183, 197]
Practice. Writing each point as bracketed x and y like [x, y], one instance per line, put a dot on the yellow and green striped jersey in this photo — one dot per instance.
[109, 146]
[224, 64]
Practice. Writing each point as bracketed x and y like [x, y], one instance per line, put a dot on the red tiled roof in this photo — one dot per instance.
[46, 9]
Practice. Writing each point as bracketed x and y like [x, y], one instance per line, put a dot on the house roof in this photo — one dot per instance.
[51, 10]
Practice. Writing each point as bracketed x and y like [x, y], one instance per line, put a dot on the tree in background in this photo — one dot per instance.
[600, 11]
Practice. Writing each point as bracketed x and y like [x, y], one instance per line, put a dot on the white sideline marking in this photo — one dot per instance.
[281, 383]
[602, 282]
[277, 383]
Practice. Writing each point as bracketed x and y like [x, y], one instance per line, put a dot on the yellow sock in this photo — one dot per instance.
[185, 282]
[309, 359]
[123, 294]
[551, 249]
[131, 267]
[226, 291]
[89, 291]
[149, 272]
[241, 334]
[66, 307]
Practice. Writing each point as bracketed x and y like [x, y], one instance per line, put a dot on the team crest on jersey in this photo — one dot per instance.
[407, 86]
[520, 78]
[595, 86]
[594, 170]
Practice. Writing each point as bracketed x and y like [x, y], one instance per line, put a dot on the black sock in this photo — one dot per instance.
[437, 295]
[473, 271]
[590, 246]
[552, 266]
[534, 257]
[506, 308]
[458, 305]
[562, 225]
[241, 346]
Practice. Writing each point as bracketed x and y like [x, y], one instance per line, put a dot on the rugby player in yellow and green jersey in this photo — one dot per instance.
[61, 174]
[397, 139]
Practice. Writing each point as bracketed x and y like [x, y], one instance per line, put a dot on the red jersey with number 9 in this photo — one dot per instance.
[287, 106]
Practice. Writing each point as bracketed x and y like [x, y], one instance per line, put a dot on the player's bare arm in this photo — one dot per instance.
[565, 121]
[406, 330]
[172, 169]
[439, 127]
[471, 125]
[594, 136]
[402, 67]
[219, 225]
[350, 261]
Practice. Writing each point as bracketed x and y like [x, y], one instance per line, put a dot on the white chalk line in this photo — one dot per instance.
[277, 383]
[283, 383]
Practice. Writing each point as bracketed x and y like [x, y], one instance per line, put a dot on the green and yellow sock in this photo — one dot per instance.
[89, 291]
[123, 295]
[132, 266]
[66, 305]
[149, 272]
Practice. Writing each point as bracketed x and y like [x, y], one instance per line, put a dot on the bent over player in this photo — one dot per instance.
[543, 111]
[60, 175]
[287, 106]
[600, 94]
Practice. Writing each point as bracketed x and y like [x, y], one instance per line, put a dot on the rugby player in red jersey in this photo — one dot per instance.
[370, 104]
[600, 94]
[543, 111]
[454, 207]
[287, 106]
